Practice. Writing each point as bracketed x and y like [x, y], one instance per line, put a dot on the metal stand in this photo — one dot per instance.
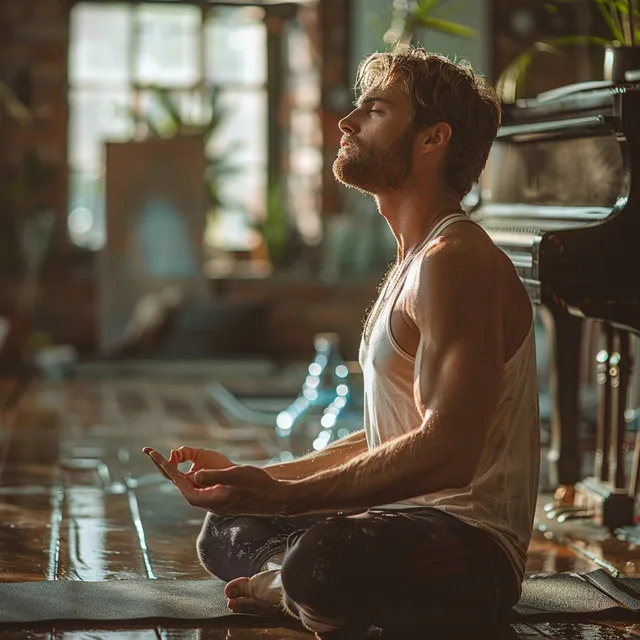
[606, 496]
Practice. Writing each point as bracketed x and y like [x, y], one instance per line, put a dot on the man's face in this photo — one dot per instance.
[377, 144]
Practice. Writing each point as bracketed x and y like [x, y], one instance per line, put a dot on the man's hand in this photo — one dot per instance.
[236, 490]
[200, 459]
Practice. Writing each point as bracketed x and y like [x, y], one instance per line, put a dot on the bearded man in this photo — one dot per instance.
[428, 510]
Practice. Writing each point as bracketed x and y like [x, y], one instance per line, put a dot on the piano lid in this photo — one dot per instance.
[562, 157]
[575, 172]
[560, 195]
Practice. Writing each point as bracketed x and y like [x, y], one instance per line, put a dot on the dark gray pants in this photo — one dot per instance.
[391, 569]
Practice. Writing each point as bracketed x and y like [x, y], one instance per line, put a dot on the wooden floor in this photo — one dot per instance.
[80, 501]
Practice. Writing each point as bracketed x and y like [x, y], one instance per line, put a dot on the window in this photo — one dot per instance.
[119, 54]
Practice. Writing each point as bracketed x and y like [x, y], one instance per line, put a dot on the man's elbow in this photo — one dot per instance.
[460, 471]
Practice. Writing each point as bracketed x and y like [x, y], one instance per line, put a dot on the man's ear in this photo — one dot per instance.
[436, 136]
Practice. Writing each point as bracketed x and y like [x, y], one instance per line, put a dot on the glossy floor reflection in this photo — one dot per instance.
[80, 501]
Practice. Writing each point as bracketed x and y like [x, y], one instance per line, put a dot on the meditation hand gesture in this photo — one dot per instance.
[200, 459]
[225, 490]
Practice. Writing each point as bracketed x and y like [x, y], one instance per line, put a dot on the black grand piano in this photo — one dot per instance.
[561, 197]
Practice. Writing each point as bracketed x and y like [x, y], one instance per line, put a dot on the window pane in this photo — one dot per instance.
[168, 45]
[245, 192]
[167, 110]
[95, 117]
[244, 197]
[99, 43]
[235, 46]
[242, 134]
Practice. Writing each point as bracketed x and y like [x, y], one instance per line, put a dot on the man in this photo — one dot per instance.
[429, 509]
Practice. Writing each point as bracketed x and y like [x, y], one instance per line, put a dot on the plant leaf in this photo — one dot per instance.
[603, 7]
[428, 6]
[166, 100]
[14, 106]
[571, 40]
[447, 26]
[512, 78]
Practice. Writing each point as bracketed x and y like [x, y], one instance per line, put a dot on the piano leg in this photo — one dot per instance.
[564, 339]
[607, 493]
[605, 392]
[622, 367]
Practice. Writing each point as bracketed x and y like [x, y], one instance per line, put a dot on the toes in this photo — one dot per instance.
[250, 605]
[236, 588]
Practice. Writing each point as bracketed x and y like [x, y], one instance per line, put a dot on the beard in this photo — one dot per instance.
[376, 168]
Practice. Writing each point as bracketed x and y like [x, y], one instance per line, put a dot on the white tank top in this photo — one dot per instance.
[502, 496]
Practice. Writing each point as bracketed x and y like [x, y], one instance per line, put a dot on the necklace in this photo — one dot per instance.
[396, 273]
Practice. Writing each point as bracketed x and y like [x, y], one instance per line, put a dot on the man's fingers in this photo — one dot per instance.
[148, 451]
[188, 453]
[173, 474]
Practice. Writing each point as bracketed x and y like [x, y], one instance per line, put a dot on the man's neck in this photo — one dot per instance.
[412, 215]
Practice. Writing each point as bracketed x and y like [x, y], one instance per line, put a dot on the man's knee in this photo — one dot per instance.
[223, 546]
[315, 578]
[237, 546]
[313, 573]
[208, 543]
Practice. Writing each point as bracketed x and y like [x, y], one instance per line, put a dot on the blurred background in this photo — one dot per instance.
[165, 169]
[178, 265]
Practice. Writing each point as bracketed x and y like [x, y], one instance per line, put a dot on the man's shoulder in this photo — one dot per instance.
[465, 254]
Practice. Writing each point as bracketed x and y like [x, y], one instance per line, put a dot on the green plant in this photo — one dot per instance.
[13, 106]
[620, 17]
[276, 229]
[412, 16]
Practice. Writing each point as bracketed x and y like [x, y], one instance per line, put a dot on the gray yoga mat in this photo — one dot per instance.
[566, 596]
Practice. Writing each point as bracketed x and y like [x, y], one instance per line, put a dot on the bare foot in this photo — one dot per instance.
[260, 594]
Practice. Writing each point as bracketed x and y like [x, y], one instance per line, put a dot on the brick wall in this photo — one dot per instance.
[34, 38]
[336, 96]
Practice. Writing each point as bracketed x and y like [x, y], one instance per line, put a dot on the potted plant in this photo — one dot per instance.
[621, 49]
[412, 16]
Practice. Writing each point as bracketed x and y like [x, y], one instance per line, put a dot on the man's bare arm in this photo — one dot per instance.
[336, 454]
[461, 361]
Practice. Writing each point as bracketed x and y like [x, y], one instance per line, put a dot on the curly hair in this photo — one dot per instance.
[442, 91]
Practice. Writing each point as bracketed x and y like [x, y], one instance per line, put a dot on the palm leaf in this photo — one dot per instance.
[571, 40]
[218, 113]
[603, 7]
[428, 6]
[447, 26]
[512, 78]
[169, 105]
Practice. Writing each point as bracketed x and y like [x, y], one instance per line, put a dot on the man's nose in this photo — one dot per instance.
[348, 124]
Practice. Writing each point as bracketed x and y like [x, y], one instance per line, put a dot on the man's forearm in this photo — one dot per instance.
[336, 454]
[411, 465]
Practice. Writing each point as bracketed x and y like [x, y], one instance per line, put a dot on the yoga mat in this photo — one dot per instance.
[571, 595]
[567, 596]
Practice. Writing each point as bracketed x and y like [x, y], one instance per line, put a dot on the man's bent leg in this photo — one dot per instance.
[394, 569]
[239, 546]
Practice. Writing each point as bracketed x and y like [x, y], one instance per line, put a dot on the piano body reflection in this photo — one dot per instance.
[561, 197]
